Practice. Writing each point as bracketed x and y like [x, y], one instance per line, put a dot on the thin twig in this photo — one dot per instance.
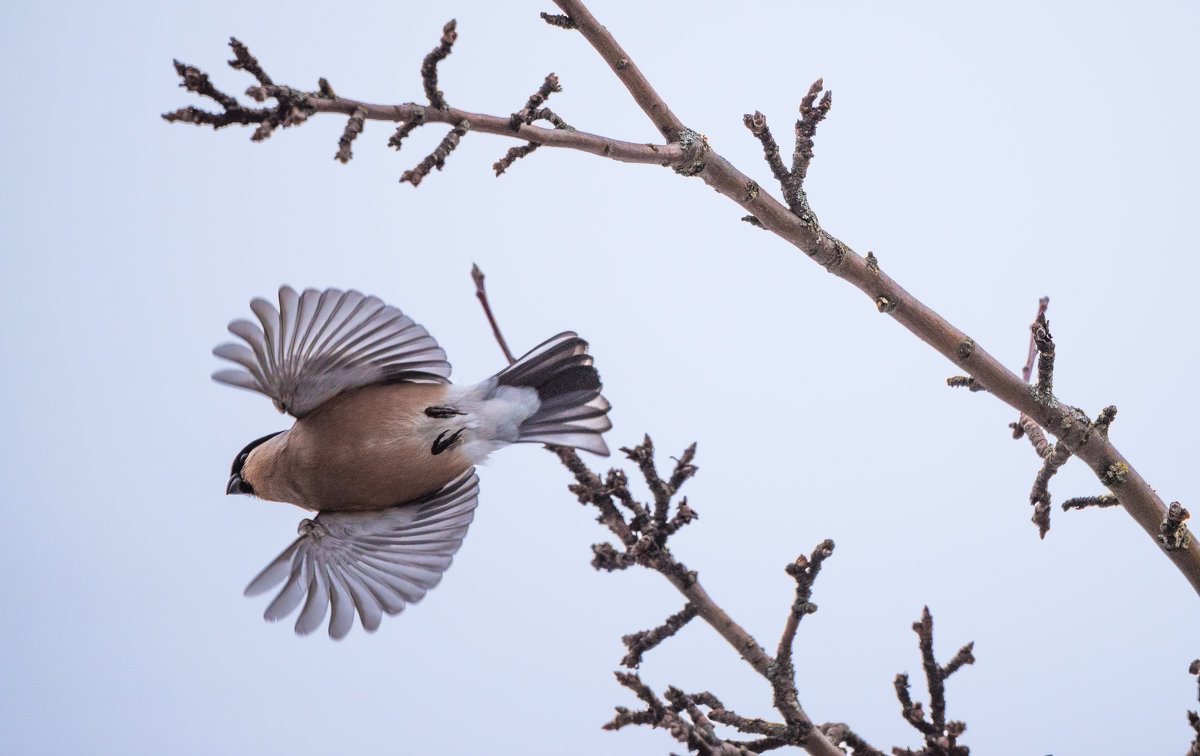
[631, 76]
[640, 642]
[1044, 342]
[244, 61]
[804, 570]
[513, 155]
[1083, 502]
[437, 158]
[354, 127]
[964, 381]
[940, 735]
[1039, 497]
[527, 114]
[811, 115]
[562, 22]
[406, 128]
[481, 293]
[1027, 371]
[1054, 456]
[429, 72]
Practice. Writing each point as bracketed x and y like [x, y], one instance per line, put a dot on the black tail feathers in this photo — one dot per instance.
[572, 411]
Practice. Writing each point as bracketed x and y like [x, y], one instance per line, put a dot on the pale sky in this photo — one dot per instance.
[989, 154]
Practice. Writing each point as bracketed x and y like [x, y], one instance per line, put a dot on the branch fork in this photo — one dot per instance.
[792, 181]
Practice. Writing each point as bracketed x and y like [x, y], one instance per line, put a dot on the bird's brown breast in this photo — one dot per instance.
[371, 449]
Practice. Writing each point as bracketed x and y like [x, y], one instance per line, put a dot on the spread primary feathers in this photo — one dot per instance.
[383, 446]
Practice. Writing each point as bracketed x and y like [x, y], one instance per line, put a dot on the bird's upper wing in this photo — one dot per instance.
[374, 562]
[319, 344]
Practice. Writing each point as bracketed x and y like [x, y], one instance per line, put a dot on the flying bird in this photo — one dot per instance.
[383, 446]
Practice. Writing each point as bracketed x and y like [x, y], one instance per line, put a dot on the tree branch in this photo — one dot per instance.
[643, 541]
[295, 106]
[689, 154]
[481, 294]
[941, 737]
[631, 76]
[1138, 497]
[641, 642]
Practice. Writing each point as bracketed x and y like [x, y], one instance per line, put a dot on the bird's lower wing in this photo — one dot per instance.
[374, 563]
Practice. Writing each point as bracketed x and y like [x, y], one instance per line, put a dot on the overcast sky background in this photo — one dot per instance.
[988, 155]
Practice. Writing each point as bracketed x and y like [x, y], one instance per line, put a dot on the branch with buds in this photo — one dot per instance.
[1055, 455]
[642, 531]
[941, 736]
[688, 153]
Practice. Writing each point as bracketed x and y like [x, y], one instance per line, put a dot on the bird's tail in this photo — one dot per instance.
[571, 411]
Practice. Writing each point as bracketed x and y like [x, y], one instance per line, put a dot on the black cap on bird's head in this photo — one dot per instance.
[236, 484]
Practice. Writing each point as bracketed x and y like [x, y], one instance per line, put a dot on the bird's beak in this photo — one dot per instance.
[236, 485]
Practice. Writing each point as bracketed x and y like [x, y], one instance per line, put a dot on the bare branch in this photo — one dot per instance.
[643, 456]
[749, 725]
[940, 736]
[626, 70]
[1105, 420]
[811, 114]
[681, 716]
[792, 181]
[429, 73]
[244, 61]
[1027, 371]
[804, 570]
[964, 381]
[757, 123]
[1083, 502]
[195, 80]
[437, 158]
[1044, 388]
[1054, 456]
[528, 113]
[354, 127]
[481, 294]
[562, 22]
[403, 130]
[296, 106]
[513, 155]
[643, 541]
[640, 642]
[1031, 430]
[1039, 497]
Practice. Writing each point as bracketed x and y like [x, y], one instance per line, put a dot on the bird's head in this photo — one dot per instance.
[242, 473]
